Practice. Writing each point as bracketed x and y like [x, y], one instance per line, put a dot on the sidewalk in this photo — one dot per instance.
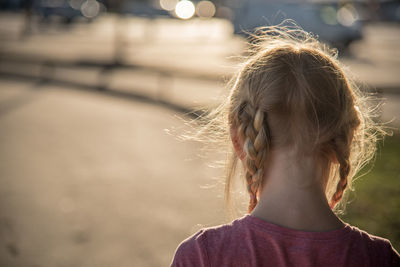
[197, 47]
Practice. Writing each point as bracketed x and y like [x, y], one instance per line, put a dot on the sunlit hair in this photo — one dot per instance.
[292, 92]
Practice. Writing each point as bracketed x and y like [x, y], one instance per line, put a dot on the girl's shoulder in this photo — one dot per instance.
[193, 251]
[250, 234]
[374, 244]
[207, 235]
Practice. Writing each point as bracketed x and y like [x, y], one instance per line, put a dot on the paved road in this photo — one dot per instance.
[92, 180]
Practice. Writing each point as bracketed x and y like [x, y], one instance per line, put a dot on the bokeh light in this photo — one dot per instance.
[168, 5]
[328, 15]
[90, 8]
[205, 9]
[185, 9]
[347, 15]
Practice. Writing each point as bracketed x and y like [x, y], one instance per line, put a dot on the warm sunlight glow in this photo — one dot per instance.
[347, 15]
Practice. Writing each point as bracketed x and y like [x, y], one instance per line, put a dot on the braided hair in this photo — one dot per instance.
[292, 91]
[253, 126]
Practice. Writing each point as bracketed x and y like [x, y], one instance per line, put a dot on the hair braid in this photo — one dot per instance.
[253, 127]
[343, 157]
[282, 79]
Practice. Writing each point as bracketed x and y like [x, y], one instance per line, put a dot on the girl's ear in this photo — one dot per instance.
[237, 143]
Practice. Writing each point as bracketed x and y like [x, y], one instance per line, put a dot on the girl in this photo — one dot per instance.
[302, 130]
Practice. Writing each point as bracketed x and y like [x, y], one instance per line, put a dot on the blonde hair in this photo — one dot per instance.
[292, 91]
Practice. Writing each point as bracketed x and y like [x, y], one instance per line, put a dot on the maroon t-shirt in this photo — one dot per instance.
[250, 241]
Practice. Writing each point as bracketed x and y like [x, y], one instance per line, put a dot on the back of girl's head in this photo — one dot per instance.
[291, 92]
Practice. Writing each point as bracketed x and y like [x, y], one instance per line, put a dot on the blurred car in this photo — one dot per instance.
[390, 11]
[58, 8]
[332, 23]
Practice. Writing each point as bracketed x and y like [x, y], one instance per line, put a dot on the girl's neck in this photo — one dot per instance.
[293, 194]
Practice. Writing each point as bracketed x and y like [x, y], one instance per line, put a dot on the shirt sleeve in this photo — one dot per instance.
[192, 252]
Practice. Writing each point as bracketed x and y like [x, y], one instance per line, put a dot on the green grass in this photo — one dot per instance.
[375, 204]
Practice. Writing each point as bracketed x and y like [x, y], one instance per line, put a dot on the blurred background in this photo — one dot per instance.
[89, 175]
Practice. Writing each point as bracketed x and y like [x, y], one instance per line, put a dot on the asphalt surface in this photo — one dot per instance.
[94, 180]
